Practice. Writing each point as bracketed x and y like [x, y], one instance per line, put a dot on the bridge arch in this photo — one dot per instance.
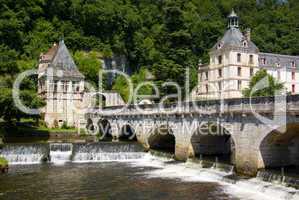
[127, 133]
[98, 100]
[104, 129]
[281, 149]
[211, 140]
[90, 125]
[162, 139]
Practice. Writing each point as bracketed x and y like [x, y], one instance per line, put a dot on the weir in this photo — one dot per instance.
[61, 153]
[17, 154]
[163, 164]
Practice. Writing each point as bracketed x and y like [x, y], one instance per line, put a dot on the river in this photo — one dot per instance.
[120, 172]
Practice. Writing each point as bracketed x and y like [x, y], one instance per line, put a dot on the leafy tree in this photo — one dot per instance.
[89, 63]
[262, 77]
[122, 86]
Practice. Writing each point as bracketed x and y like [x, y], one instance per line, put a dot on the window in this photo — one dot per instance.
[220, 73]
[55, 86]
[293, 88]
[245, 44]
[207, 75]
[219, 86]
[219, 60]
[239, 71]
[251, 71]
[65, 84]
[250, 59]
[239, 85]
[263, 60]
[207, 88]
[293, 75]
[293, 64]
[278, 74]
[239, 57]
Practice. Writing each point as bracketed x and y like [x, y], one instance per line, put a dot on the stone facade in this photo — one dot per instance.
[251, 144]
[61, 85]
[234, 59]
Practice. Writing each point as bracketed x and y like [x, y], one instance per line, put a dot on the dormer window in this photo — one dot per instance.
[245, 44]
[263, 61]
[219, 45]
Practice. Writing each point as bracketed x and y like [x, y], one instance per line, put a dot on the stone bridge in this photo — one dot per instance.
[251, 134]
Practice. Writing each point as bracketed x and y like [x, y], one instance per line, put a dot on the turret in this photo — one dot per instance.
[233, 20]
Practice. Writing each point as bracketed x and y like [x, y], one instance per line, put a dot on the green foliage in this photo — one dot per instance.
[3, 162]
[165, 37]
[121, 85]
[89, 63]
[273, 85]
[65, 126]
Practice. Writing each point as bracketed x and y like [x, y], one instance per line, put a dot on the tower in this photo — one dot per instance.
[61, 85]
[233, 60]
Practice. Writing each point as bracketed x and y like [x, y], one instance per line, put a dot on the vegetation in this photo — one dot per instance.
[272, 88]
[163, 37]
[3, 162]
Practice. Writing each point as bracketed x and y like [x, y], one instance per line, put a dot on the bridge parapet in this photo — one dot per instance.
[262, 105]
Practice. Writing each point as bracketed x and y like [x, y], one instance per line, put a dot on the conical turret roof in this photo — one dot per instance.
[63, 62]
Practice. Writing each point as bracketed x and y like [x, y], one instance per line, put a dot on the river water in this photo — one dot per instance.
[121, 172]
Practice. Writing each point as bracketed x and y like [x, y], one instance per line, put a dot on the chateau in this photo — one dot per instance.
[234, 59]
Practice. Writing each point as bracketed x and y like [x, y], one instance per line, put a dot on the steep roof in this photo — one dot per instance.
[63, 62]
[234, 38]
[273, 60]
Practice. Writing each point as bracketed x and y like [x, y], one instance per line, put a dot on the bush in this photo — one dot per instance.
[65, 126]
[43, 124]
[3, 162]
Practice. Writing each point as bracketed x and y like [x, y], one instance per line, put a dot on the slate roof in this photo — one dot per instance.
[272, 60]
[234, 38]
[61, 62]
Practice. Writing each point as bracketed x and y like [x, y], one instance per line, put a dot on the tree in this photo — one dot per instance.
[89, 63]
[262, 77]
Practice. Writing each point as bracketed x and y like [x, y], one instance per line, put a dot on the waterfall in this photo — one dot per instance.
[61, 153]
[24, 153]
[107, 152]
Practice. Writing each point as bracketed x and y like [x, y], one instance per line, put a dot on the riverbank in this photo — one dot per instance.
[28, 132]
[3, 165]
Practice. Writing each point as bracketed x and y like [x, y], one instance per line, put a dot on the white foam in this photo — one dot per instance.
[252, 189]
[107, 157]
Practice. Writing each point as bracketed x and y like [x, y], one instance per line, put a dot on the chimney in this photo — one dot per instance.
[248, 34]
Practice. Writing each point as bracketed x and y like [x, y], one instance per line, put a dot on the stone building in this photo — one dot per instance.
[61, 85]
[234, 59]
